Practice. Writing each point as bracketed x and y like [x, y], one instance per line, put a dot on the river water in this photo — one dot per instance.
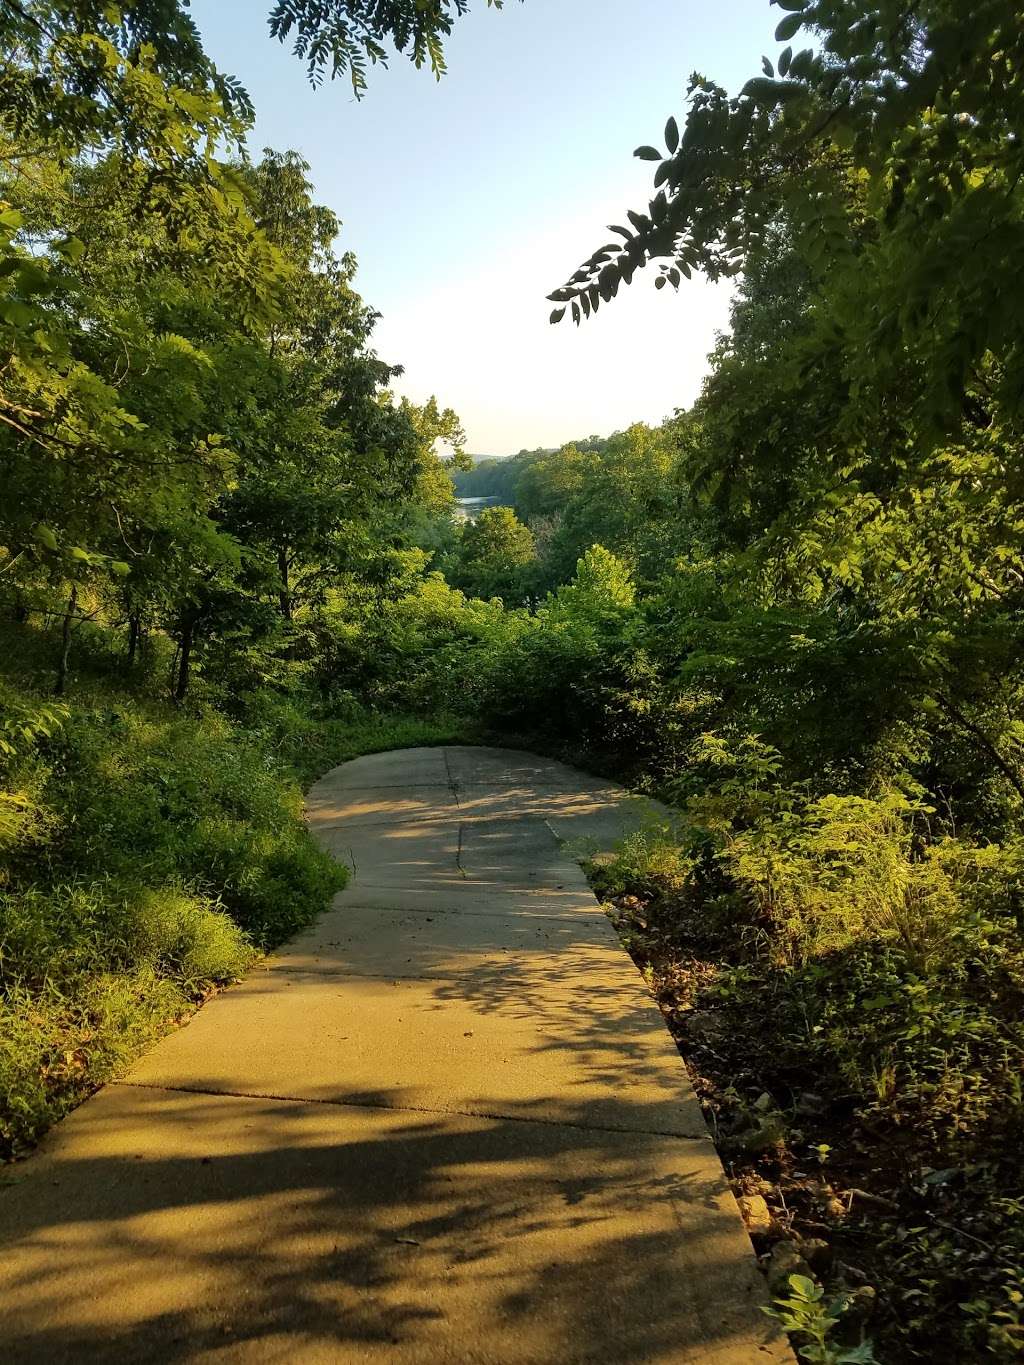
[468, 509]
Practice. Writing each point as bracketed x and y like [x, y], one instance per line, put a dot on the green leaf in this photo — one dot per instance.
[46, 536]
[557, 314]
[768, 93]
[859, 1355]
[790, 25]
[671, 134]
[34, 278]
[648, 154]
[16, 313]
[119, 567]
[805, 1288]
[802, 62]
[767, 67]
[70, 249]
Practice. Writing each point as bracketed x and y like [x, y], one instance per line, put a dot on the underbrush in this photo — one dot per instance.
[148, 854]
[309, 734]
[846, 983]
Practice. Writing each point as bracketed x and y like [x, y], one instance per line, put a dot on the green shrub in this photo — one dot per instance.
[147, 852]
[271, 881]
[57, 1046]
[188, 939]
[650, 860]
[156, 795]
[888, 962]
[309, 734]
[55, 936]
[90, 972]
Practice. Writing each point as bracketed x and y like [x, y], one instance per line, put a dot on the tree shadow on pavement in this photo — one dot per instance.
[172, 1226]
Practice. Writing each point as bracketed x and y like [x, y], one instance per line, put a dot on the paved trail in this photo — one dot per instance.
[446, 1126]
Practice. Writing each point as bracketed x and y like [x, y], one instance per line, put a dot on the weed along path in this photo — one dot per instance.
[445, 1125]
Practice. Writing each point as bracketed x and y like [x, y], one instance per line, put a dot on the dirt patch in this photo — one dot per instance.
[926, 1255]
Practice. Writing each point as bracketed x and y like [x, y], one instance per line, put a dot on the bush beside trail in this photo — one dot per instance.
[150, 854]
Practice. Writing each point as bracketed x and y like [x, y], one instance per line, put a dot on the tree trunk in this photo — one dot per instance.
[984, 743]
[65, 642]
[188, 631]
[134, 635]
[284, 597]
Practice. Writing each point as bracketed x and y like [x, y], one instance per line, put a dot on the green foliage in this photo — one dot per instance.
[343, 35]
[57, 937]
[553, 671]
[90, 972]
[154, 852]
[625, 492]
[889, 149]
[979, 1276]
[806, 1316]
[494, 557]
[85, 72]
[651, 859]
[902, 955]
[55, 1047]
[311, 734]
[914, 1059]
[78, 48]
[795, 611]
[505, 478]
[186, 796]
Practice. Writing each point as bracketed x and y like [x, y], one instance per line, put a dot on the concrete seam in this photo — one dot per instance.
[453, 785]
[458, 854]
[414, 819]
[570, 917]
[342, 975]
[382, 786]
[412, 1109]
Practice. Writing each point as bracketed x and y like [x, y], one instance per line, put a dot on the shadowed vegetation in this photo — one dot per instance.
[229, 559]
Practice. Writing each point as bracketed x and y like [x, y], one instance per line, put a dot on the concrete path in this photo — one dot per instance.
[447, 1125]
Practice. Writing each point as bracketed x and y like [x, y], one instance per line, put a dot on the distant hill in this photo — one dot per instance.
[496, 476]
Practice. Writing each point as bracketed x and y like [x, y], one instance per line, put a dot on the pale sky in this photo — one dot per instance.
[467, 201]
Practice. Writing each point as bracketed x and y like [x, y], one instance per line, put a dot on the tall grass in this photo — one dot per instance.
[147, 854]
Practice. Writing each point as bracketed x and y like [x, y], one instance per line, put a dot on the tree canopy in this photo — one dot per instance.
[339, 36]
[890, 150]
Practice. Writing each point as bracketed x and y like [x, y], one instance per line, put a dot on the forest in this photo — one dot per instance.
[794, 611]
